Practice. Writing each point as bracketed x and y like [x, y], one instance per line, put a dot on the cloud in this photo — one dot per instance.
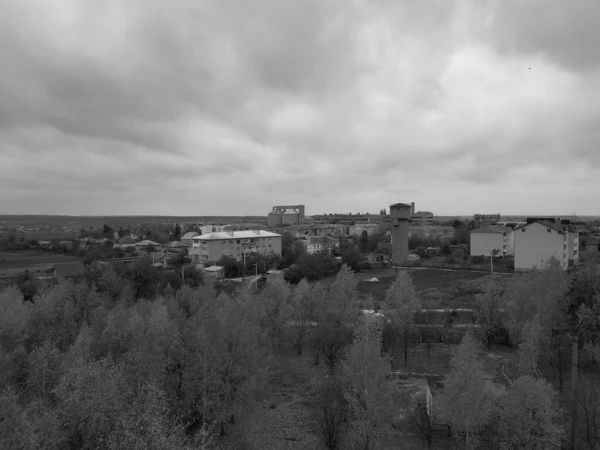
[210, 107]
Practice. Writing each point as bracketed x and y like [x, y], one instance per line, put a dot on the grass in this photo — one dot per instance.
[12, 263]
[433, 285]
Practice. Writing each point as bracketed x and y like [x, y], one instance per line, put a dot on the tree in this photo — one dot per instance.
[302, 313]
[330, 410]
[526, 416]
[365, 370]
[589, 413]
[465, 400]
[177, 231]
[488, 313]
[352, 257]
[401, 298]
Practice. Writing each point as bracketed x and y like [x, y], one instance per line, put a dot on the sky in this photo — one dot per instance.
[230, 107]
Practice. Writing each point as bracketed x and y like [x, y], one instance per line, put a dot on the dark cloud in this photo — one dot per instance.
[291, 100]
[567, 33]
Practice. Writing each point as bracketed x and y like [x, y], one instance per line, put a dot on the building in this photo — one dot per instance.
[176, 247]
[147, 244]
[486, 239]
[187, 237]
[286, 215]
[539, 241]
[318, 244]
[213, 246]
[592, 245]
[400, 214]
[424, 217]
[213, 228]
[369, 228]
[68, 269]
[346, 219]
[125, 242]
[213, 273]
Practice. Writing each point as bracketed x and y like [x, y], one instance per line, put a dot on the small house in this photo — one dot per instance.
[592, 245]
[214, 273]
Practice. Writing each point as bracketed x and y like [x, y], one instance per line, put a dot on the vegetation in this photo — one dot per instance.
[129, 358]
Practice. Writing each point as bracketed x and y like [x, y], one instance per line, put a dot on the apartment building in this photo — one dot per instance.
[484, 240]
[212, 246]
[206, 229]
[318, 244]
[537, 242]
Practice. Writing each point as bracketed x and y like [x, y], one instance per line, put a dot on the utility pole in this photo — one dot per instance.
[182, 276]
[574, 386]
[492, 262]
[243, 263]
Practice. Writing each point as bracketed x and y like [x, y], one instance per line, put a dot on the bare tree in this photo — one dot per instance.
[330, 411]
[488, 312]
[401, 298]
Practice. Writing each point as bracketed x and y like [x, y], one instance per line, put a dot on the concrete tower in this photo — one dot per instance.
[400, 214]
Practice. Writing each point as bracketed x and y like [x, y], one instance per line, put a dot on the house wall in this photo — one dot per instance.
[482, 244]
[535, 245]
[214, 249]
[573, 248]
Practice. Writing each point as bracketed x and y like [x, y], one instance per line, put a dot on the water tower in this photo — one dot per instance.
[400, 214]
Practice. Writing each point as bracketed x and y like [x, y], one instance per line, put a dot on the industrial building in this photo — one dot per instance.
[401, 214]
[286, 215]
[213, 246]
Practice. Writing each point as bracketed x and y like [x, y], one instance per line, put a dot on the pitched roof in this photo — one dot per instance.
[126, 240]
[189, 235]
[235, 235]
[148, 242]
[68, 269]
[401, 204]
[544, 223]
[491, 229]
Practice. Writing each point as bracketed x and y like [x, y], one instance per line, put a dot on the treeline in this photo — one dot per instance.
[114, 362]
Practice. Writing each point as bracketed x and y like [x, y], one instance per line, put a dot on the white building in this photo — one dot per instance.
[214, 228]
[536, 243]
[213, 246]
[486, 239]
[369, 228]
[318, 244]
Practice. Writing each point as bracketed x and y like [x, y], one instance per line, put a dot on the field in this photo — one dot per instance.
[12, 263]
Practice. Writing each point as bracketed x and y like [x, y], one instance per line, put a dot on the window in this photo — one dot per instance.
[238, 241]
[548, 230]
[523, 230]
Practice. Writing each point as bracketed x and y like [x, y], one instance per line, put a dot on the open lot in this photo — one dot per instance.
[12, 263]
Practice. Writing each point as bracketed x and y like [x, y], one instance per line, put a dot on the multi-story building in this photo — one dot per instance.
[213, 228]
[369, 228]
[423, 217]
[318, 244]
[212, 246]
[538, 242]
[486, 239]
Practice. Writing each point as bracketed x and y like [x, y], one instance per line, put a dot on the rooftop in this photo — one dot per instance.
[235, 235]
[189, 235]
[319, 239]
[544, 223]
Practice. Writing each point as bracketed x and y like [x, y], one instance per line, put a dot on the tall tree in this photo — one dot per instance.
[488, 311]
[330, 411]
[365, 370]
[402, 300]
[465, 400]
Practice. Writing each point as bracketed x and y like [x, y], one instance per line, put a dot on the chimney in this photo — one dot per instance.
[412, 205]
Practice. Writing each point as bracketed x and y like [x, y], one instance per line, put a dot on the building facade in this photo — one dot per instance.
[485, 240]
[538, 242]
[234, 244]
[286, 215]
[206, 229]
[318, 244]
[400, 214]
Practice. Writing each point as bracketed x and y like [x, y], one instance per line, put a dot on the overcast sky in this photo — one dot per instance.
[232, 106]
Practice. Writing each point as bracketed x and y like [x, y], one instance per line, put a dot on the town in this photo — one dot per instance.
[443, 295]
